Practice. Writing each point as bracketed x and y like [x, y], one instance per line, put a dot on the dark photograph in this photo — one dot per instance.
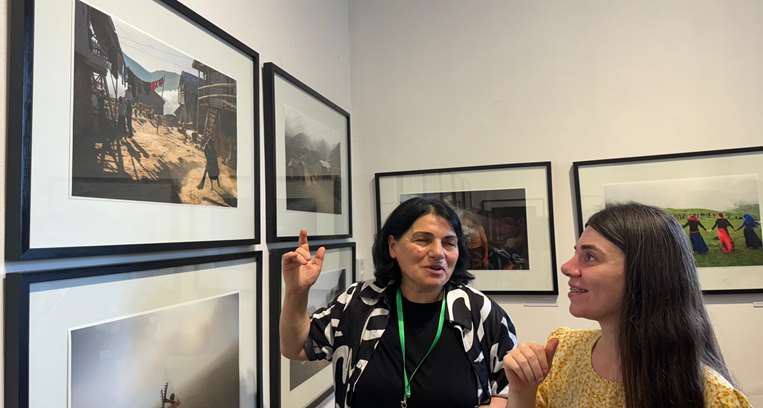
[150, 123]
[184, 356]
[313, 165]
[494, 223]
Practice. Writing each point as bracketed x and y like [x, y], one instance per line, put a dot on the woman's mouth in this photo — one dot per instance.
[436, 268]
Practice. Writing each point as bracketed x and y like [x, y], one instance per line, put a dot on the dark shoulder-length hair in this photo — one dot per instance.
[665, 335]
[401, 219]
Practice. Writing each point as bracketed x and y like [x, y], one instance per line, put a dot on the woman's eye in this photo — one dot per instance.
[589, 258]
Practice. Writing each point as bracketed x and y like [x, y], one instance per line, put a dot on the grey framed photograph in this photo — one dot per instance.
[160, 340]
[167, 334]
[506, 212]
[147, 126]
[307, 160]
[306, 383]
[715, 195]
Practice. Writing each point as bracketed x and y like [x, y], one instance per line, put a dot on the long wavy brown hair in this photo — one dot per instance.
[665, 336]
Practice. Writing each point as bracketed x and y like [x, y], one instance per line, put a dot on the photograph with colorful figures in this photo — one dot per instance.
[721, 215]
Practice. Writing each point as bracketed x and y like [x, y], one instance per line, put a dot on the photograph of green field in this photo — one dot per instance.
[720, 215]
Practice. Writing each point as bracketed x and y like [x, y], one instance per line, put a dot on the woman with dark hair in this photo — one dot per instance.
[416, 335]
[697, 242]
[727, 244]
[633, 272]
[751, 239]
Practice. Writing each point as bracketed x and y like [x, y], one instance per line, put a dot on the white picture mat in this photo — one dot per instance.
[289, 222]
[59, 220]
[533, 180]
[56, 307]
[308, 391]
[593, 178]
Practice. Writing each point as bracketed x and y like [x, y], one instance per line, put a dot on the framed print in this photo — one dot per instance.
[307, 160]
[138, 130]
[154, 334]
[306, 383]
[715, 195]
[506, 212]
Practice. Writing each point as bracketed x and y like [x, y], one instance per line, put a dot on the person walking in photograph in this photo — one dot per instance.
[724, 238]
[751, 239]
[697, 242]
[212, 168]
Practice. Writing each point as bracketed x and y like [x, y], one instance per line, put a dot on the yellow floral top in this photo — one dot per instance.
[572, 382]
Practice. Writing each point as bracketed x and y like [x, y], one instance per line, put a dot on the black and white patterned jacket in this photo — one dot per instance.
[347, 331]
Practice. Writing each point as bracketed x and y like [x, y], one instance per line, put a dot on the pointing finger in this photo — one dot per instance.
[551, 350]
[302, 237]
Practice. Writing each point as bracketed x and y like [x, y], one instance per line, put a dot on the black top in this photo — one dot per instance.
[348, 330]
[445, 379]
[722, 223]
[694, 226]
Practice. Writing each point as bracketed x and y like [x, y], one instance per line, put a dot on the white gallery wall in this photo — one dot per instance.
[309, 39]
[442, 83]
[446, 83]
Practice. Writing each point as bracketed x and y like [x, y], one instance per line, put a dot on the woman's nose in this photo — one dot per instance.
[436, 249]
[570, 268]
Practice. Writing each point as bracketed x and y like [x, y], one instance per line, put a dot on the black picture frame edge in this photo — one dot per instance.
[274, 304]
[19, 122]
[634, 159]
[549, 191]
[19, 144]
[70, 252]
[379, 175]
[269, 71]
[211, 27]
[16, 310]
[576, 165]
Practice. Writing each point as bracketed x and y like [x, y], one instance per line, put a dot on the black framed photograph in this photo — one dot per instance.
[174, 333]
[715, 195]
[306, 383]
[506, 212]
[307, 160]
[144, 131]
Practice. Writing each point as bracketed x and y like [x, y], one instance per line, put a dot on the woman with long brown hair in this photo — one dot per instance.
[633, 272]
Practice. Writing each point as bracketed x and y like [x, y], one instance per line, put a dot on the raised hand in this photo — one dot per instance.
[301, 268]
[528, 364]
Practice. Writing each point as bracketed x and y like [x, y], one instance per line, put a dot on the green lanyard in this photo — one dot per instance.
[401, 331]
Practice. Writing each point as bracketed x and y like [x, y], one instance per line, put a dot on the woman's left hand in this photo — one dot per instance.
[528, 364]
